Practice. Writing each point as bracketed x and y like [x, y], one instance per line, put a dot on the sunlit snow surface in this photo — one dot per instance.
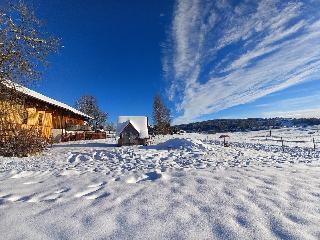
[181, 187]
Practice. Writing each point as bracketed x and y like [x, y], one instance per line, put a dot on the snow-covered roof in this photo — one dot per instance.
[140, 123]
[48, 100]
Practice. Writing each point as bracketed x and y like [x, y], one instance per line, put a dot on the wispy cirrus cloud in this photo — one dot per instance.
[300, 113]
[294, 107]
[224, 54]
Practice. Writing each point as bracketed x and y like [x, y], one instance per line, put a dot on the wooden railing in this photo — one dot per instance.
[83, 136]
[78, 128]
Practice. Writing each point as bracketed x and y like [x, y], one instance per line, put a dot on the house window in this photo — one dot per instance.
[24, 117]
[40, 119]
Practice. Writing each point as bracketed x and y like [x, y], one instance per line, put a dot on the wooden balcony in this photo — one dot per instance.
[78, 128]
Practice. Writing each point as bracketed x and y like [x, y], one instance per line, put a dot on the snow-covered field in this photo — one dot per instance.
[181, 187]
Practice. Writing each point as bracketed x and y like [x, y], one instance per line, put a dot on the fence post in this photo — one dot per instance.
[314, 144]
[282, 144]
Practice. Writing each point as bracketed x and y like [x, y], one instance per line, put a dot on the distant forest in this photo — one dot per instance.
[250, 124]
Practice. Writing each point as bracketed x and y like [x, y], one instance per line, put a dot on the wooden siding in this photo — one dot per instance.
[40, 115]
[130, 136]
[61, 119]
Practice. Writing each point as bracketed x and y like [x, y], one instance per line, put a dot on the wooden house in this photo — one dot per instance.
[51, 117]
[132, 130]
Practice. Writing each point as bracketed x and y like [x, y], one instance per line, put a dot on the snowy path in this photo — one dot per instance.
[201, 190]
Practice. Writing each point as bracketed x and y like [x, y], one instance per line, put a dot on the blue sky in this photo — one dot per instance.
[111, 50]
[208, 59]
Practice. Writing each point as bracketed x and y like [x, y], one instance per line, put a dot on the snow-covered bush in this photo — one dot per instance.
[22, 143]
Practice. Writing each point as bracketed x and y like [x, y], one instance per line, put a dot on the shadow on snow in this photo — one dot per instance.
[84, 145]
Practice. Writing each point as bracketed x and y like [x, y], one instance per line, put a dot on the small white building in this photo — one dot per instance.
[132, 130]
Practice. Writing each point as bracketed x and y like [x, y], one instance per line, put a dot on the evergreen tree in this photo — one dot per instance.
[161, 116]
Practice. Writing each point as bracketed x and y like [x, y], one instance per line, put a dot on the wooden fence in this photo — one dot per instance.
[83, 136]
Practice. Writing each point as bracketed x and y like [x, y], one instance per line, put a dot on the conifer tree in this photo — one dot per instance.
[161, 116]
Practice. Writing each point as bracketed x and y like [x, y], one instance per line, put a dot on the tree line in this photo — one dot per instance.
[250, 124]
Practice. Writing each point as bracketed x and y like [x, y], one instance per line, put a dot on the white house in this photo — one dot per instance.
[132, 130]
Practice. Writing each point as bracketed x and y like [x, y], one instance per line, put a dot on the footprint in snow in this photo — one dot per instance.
[51, 197]
[62, 190]
[23, 174]
[151, 176]
[30, 183]
[76, 158]
[88, 192]
[97, 196]
[71, 158]
[47, 197]
[18, 198]
[97, 185]
[83, 158]
[93, 192]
